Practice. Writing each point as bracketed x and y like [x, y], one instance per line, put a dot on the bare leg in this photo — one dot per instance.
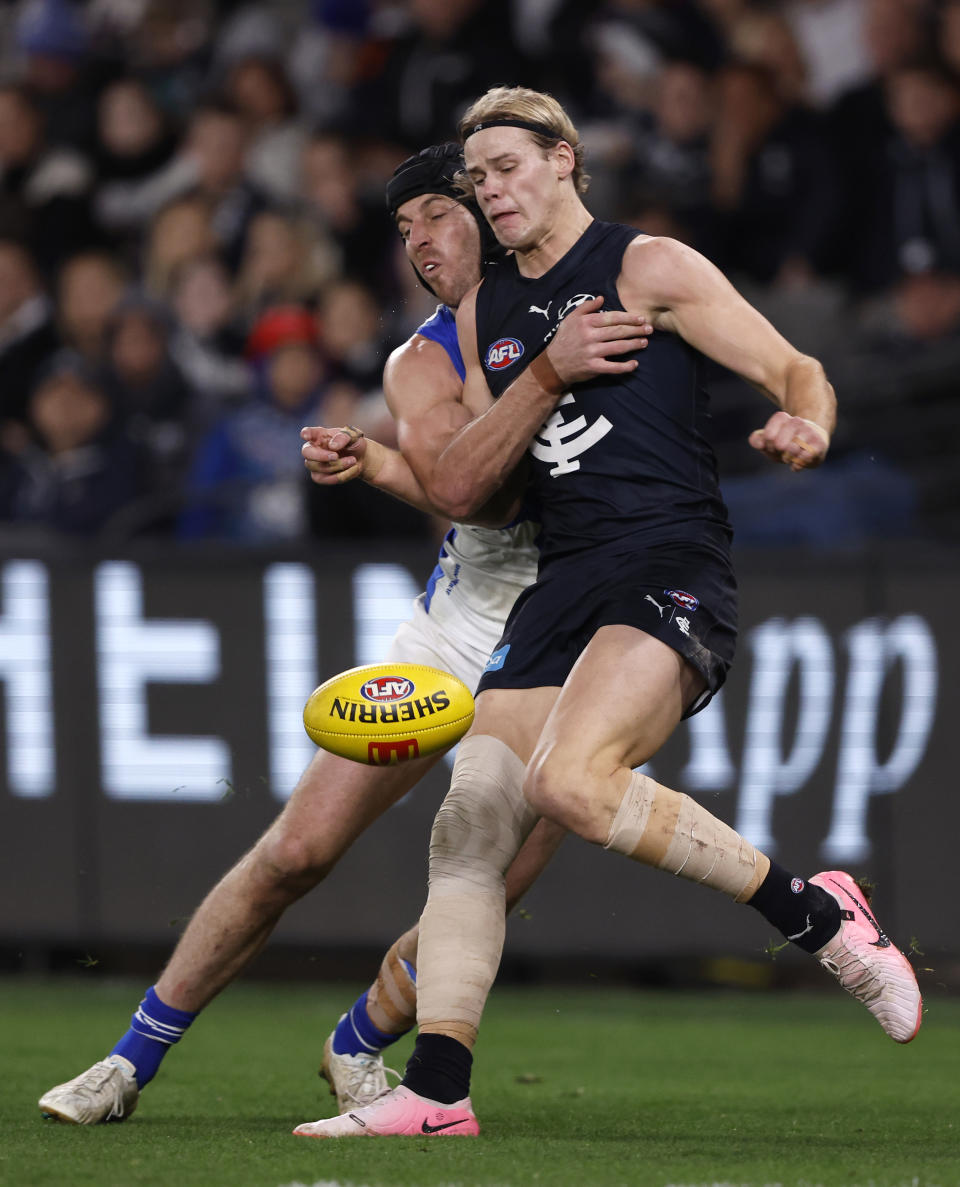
[333, 803]
[623, 699]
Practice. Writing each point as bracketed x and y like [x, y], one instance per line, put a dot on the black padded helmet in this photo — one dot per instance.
[434, 170]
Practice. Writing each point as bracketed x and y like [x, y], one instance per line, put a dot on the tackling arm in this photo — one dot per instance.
[461, 451]
[486, 453]
[479, 457]
[435, 414]
[334, 456]
[425, 397]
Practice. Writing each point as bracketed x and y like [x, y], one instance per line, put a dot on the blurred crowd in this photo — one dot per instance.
[195, 258]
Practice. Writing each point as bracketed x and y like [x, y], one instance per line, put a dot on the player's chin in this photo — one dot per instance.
[447, 293]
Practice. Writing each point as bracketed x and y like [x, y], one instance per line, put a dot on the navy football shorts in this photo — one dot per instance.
[683, 595]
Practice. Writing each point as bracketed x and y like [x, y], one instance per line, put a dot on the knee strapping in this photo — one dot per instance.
[484, 819]
[669, 830]
[479, 829]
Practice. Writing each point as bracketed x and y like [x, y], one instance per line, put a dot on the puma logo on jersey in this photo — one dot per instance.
[648, 598]
[562, 442]
[545, 311]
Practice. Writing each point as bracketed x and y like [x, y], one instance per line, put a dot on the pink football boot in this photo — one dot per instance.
[867, 963]
[398, 1113]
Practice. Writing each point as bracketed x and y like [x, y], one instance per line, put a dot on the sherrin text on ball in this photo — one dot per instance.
[388, 713]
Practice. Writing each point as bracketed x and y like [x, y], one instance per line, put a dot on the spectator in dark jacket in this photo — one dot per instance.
[82, 468]
[44, 189]
[451, 51]
[57, 69]
[149, 389]
[28, 336]
[912, 223]
[247, 482]
[138, 169]
[208, 341]
[90, 286]
[673, 152]
[772, 181]
[216, 145]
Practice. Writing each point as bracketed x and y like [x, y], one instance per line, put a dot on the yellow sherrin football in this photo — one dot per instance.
[388, 713]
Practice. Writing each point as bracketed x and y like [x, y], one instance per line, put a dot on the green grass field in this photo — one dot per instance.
[573, 1089]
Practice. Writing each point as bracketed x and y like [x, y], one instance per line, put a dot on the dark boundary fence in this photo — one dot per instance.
[149, 730]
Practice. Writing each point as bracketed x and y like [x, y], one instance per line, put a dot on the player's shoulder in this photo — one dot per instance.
[420, 368]
[659, 251]
[660, 269]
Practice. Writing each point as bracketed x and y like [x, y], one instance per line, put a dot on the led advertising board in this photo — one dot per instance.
[150, 729]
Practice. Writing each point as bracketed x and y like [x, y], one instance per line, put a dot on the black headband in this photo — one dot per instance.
[529, 125]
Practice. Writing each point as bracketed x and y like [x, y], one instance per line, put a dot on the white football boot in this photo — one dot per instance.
[867, 963]
[105, 1092]
[398, 1113]
[355, 1080]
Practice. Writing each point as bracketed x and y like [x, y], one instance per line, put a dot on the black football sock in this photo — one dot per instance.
[439, 1069]
[806, 914]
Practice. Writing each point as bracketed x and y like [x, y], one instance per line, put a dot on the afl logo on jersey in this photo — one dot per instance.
[502, 353]
[387, 688]
[686, 601]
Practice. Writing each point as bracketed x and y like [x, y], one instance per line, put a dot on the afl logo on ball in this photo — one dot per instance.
[685, 601]
[502, 353]
[387, 688]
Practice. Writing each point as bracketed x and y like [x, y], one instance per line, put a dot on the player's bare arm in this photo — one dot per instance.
[420, 378]
[337, 455]
[425, 397]
[437, 425]
[689, 296]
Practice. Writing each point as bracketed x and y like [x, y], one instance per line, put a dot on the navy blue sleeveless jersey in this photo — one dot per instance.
[442, 328]
[623, 460]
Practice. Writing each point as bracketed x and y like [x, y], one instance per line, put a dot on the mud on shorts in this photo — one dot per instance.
[683, 595]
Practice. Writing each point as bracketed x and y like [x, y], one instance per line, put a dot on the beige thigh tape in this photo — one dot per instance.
[669, 830]
[477, 833]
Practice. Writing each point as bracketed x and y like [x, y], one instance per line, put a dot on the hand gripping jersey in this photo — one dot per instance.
[480, 571]
[623, 460]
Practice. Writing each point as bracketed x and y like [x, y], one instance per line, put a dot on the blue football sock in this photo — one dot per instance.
[356, 1034]
[154, 1028]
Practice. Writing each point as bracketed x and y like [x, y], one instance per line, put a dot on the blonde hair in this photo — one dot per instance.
[535, 107]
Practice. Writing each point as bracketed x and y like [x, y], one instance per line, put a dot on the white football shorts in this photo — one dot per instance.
[421, 640]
